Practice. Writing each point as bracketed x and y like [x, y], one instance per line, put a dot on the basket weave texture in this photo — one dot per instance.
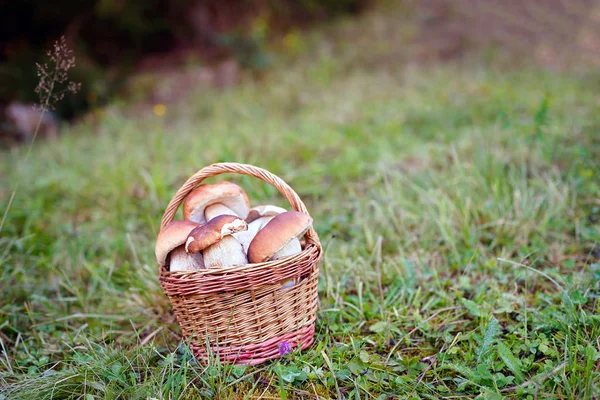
[242, 314]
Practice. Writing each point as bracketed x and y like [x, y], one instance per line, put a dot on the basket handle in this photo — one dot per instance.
[245, 169]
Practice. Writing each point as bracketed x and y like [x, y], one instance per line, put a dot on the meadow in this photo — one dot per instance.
[458, 205]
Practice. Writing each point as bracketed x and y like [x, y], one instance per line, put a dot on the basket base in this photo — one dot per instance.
[258, 353]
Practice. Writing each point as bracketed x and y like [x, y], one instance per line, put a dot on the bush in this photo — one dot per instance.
[111, 37]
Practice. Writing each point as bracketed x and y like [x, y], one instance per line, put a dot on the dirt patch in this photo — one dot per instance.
[556, 33]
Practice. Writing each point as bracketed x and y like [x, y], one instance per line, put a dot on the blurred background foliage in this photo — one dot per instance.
[113, 38]
[128, 48]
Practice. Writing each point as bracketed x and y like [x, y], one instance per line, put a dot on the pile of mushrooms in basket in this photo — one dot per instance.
[220, 230]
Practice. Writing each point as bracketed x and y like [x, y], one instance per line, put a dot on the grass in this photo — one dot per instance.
[458, 206]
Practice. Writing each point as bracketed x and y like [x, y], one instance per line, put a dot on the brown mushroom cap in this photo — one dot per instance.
[170, 237]
[277, 234]
[263, 211]
[214, 230]
[229, 194]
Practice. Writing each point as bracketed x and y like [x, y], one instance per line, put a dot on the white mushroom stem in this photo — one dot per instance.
[245, 237]
[288, 283]
[293, 247]
[182, 261]
[227, 252]
[214, 210]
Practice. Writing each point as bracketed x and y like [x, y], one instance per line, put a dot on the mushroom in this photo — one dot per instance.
[215, 240]
[209, 201]
[170, 247]
[257, 218]
[279, 237]
[266, 211]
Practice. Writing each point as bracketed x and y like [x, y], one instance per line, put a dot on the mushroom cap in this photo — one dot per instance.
[226, 193]
[276, 234]
[170, 237]
[263, 211]
[214, 230]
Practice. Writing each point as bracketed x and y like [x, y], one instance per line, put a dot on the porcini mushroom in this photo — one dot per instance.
[215, 240]
[209, 201]
[170, 247]
[279, 237]
[265, 211]
[257, 218]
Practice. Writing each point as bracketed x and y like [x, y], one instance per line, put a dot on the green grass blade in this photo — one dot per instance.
[490, 334]
[511, 361]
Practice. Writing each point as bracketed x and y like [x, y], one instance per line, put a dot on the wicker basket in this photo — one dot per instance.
[242, 314]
